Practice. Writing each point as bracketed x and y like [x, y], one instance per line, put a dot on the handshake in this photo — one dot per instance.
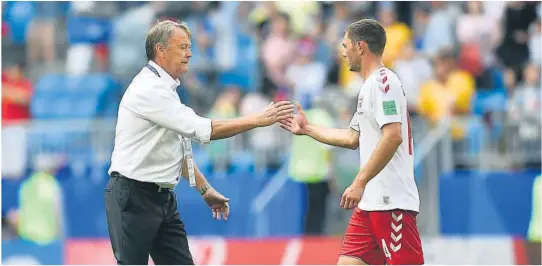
[283, 112]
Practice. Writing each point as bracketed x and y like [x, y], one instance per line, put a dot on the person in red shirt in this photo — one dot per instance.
[16, 94]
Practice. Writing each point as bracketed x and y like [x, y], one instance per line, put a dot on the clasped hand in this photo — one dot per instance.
[276, 112]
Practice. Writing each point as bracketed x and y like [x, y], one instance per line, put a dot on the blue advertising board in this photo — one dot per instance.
[20, 252]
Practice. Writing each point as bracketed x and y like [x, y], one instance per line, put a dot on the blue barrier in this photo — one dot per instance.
[471, 203]
[20, 252]
[497, 203]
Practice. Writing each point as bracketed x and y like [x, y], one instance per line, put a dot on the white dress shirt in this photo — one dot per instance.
[150, 126]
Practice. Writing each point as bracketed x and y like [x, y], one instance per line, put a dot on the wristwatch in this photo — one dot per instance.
[204, 188]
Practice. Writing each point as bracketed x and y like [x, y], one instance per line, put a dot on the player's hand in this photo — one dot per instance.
[296, 124]
[276, 112]
[351, 196]
[219, 204]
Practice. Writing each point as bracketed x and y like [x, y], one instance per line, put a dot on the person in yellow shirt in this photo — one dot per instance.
[397, 35]
[449, 93]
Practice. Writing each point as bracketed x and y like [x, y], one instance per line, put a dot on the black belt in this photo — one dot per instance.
[146, 185]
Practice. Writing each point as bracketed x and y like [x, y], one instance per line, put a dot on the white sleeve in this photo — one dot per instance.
[354, 122]
[161, 107]
[388, 101]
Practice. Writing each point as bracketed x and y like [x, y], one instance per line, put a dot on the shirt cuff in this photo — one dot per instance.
[204, 131]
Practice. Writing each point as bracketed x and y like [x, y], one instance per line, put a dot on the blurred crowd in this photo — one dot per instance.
[454, 58]
[476, 62]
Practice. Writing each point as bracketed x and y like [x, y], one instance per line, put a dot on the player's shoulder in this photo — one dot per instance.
[386, 81]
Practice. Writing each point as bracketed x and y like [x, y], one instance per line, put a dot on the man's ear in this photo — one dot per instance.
[160, 48]
[361, 47]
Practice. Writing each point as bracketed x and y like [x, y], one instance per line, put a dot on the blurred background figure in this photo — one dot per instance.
[311, 165]
[39, 218]
[471, 75]
[306, 75]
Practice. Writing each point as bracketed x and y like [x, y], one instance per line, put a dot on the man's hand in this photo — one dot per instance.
[218, 203]
[297, 124]
[276, 112]
[352, 196]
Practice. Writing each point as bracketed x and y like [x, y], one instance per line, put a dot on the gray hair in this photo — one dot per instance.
[160, 33]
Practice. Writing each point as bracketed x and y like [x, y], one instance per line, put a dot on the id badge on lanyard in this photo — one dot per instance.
[188, 156]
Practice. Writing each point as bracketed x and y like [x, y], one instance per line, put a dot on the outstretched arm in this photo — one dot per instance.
[226, 128]
[161, 108]
[346, 138]
[299, 125]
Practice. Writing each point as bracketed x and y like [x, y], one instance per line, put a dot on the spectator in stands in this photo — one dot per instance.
[95, 18]
[310, 165]
[333, 34]
[130, 29]
[478, 34]
[439, 33]
[535, 43]
[262, 141]
[524, 105]
[449, 94]
[277, 53]
[306, 75]
[225, 107]
[513, 51]
[303, 15]
[413, 70]
[397, 34]
[42, 33]
[204, 33]
[419, 24]
[16, 93]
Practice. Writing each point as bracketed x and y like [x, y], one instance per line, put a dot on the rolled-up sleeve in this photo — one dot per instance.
[166, 110]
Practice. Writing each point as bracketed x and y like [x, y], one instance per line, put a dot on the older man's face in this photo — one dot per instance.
[178, 52]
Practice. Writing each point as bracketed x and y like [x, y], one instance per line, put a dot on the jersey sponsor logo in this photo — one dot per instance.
[389, 108]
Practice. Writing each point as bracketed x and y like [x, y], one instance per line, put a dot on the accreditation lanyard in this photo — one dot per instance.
[187, 147]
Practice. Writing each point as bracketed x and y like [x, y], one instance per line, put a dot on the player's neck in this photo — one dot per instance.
[369, 66]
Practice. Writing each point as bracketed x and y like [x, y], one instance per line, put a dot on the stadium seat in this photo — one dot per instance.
[73, 97]
[18, 16]
[88, 30]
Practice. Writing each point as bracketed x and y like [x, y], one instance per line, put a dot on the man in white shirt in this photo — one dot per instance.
[382, 229]
[152, 150]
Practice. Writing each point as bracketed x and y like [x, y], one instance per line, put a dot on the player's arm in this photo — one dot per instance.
[385, 149]
[388, 115]
[346, 138]
[161, 108]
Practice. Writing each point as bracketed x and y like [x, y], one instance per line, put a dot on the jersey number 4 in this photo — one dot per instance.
[410, 140]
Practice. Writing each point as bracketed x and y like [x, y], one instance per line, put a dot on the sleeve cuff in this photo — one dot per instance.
[204, 131]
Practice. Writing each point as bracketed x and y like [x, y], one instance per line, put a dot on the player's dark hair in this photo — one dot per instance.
[371, 32]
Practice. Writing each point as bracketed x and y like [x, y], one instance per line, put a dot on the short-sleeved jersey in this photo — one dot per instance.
[382, 101]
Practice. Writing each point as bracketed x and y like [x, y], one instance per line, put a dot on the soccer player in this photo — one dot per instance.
[382, 229]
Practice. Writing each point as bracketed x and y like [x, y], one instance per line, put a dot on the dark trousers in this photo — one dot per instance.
[317, 194]
[144, 221]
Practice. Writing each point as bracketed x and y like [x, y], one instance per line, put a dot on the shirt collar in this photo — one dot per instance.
[166, 77]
